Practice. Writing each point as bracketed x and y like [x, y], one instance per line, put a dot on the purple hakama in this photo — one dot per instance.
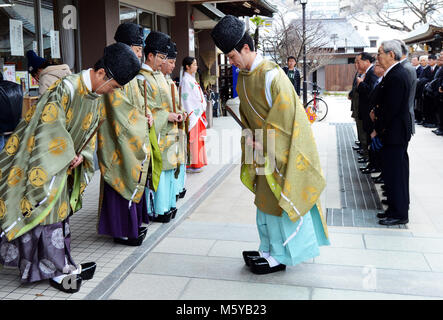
[42, 253]
[116, 218]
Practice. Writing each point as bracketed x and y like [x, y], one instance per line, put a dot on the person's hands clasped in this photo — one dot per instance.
[150, 120]
[175, 117]
[76, 161]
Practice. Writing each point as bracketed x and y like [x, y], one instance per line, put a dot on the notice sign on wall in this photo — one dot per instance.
[191, 41]
[16, 36]
[55, 44]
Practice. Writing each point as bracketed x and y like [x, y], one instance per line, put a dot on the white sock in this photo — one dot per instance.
[272, 262]
[264, 254]
[59, 279]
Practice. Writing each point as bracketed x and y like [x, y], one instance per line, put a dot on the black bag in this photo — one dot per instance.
[11, 102]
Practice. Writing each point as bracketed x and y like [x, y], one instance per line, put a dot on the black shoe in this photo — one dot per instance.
[366, 167]
[361, 152]
[248, 255]
[385, 201]
[163, 218]
[261, 266]
[357, 142]
[382, 215]
[182, 194]
[176, 197]
[142, 230]
[393, 221]
[438, 132]
[67, 284]
[131, 241]
[378, 179]
[419, 122]
[383, 187]
[362, 160]
[384, 194]
[173, 212]
[88, 270]
[370, 170]
[429, 125]
[356, 148]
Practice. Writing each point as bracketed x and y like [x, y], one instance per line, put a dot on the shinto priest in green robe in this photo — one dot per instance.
[158, 95]
[287, 179]
[38, 189]
[124, 154]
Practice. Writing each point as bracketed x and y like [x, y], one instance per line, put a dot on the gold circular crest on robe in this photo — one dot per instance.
[63, 210]
[301, 163]
[50, 113]
[135, 172]
[54, 85]
[57, 146]
[37, 177]
[101, 140]
[2, 209]
[117, 157]
[15, 175]
[116, 128]
[93, 142]
[69, 114]
[133, 116]
[30, 113]
[65, 100]
[31, 143]
[296, 130]
[118, 185]
[25, 207]
[135, 143]
[116, 99]
[310, 194]
[87, 121]
[11, 146]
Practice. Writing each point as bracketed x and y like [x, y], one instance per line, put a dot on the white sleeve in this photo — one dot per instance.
[269, 77]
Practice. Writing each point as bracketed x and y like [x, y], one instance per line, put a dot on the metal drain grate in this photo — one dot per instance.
[359, 197]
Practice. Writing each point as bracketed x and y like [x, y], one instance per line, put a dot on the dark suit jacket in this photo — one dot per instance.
[364, 90]
[296, 81]
[393, 124]
[419, 71]
[426, 76]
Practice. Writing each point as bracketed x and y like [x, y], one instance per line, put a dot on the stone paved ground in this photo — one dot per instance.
[198, 255]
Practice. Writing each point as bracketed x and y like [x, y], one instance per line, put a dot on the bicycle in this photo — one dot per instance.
[316, 108]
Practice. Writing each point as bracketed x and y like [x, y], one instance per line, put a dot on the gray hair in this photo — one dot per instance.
[394, 46]
[404, 48]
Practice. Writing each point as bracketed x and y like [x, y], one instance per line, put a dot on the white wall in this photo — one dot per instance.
[162, 7]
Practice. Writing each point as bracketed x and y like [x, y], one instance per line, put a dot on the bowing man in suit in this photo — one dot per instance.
[393, 132]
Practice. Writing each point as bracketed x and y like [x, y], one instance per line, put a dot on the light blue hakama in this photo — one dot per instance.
[274, 231]
[164, 197]
[180, 181]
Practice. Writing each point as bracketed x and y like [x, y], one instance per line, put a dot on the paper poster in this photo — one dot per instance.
[16, 36]
[9, 72]
[22, 76]
[55, 44]
[191, 41]
[33, 84]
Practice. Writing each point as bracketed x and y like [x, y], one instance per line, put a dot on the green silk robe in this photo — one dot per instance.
[159, 100]
[293, 178]
[124, 148]
[36, 184]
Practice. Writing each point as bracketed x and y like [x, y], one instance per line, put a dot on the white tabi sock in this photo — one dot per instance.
[264, 254]
[59, 279]
[272, 262]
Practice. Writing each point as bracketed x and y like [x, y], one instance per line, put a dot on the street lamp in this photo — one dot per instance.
[305, 92]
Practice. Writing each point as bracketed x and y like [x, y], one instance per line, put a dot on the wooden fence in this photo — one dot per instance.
[339, 77]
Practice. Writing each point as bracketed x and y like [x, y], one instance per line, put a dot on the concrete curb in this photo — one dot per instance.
[109, 284]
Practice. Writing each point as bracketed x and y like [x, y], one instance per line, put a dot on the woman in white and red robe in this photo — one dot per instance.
[194, 102]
